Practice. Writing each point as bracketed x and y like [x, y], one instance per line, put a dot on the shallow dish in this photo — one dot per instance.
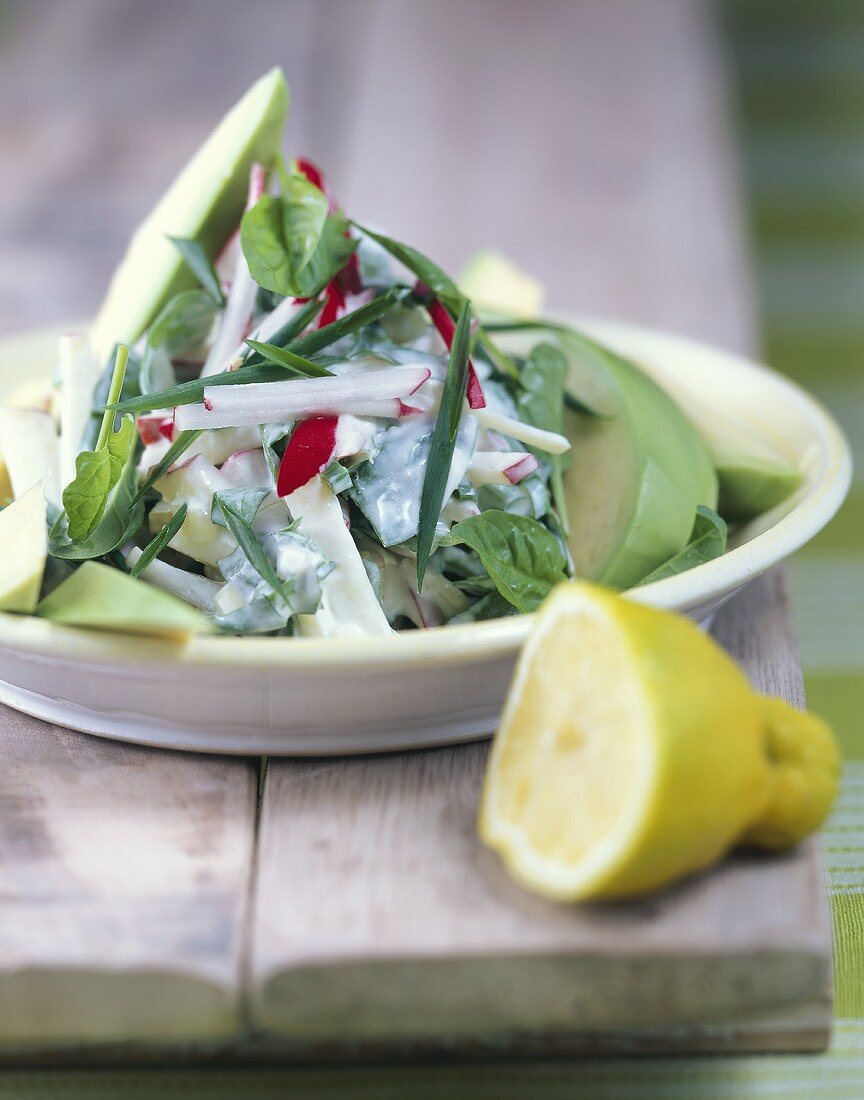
[323, 696]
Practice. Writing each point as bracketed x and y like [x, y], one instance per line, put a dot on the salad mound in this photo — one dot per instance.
[309, 429]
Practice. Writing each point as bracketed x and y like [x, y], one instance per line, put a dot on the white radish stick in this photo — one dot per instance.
[500, 467]
[199, 591]
[550, 442]
[77, 377]
[367, 393]
[237, 316]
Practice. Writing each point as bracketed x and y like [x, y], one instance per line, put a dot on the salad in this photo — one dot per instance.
[285, 422]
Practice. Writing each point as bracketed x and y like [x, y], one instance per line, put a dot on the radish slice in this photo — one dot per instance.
[446, 327]
[348, 602]
[309, 449]
[500, 467]
[155, 429]
[540, 440]
[237, 317]
[247, 469]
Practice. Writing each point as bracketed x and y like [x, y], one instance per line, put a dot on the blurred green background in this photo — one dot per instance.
[797, 75]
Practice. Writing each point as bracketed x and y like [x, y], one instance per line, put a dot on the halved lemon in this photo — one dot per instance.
[631, 751]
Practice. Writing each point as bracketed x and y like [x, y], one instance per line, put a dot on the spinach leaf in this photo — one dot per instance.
[109, 518]
[96, 474]
[523, 559]
[201, 266]
[707, 541]
[158, 543]
[529, 497]
[98, 504]
[291, 243]
[443, 441]
[183, 324]
[491, 606]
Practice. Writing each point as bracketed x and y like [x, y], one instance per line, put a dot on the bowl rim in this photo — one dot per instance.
[490, 639]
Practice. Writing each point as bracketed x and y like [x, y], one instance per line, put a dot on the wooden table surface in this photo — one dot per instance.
[147, 897]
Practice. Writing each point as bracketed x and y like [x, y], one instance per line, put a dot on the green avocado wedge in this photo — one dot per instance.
[204, 203]
[23, 550]
[751, 484]
[639, 471]
[103, 598]
[639, 468]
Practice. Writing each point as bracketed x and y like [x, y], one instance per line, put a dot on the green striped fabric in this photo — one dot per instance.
[800, 70]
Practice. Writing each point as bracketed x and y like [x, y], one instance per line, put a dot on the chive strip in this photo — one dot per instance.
[187, 393]
[443, 440]
[292, 328]
[182, 443]
[159, 541]
[282, 357]
[313, 342]
[120, 360]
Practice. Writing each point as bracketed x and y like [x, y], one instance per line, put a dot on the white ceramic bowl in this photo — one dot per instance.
[323, 696]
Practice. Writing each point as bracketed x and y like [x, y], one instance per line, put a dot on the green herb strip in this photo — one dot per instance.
[158, 543]
[237, 518]
[282, 357]
[291, 329]
[443, 441]
[312, 342]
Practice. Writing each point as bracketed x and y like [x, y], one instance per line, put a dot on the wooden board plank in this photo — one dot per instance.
[124, 879]
[379, 915]
[603, 162]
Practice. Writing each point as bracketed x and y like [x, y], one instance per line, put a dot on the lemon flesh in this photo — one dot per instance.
[630, 751]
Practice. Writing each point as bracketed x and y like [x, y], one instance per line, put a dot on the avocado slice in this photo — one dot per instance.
[103, 598]
[204, 203]
[751, 484]
[23, 550]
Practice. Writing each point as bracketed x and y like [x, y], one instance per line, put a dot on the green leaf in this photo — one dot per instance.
[425, 269]
[491, 606]
[707, 541]
[118, 515]
[159, 541]
[201, 266]
[291, 243]
[183, 324]
[522, 557]
[244, 503]
[282, 357]
[443, 441]
[96, 474]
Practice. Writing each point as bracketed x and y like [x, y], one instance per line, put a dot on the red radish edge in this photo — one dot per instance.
[446, 327]
[152, 429]
[309, 450]
[520, 469]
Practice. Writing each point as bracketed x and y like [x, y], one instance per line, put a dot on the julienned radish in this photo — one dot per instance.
[370, 393]
[500, 467]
